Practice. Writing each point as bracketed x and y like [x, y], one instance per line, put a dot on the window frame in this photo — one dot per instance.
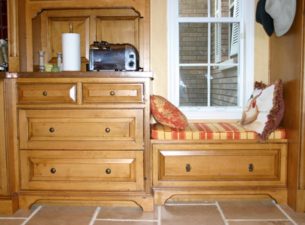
[246, 57]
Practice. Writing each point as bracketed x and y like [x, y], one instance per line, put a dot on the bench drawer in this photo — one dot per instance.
[219, 165]
[81, 129]
[55, 93]
[112, 93]
[80, 170]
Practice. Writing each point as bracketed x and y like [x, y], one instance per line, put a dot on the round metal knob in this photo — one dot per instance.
[188, 167]
[107, 130]
[51, 129]
[45, 93]
[108, 171]
[250, 167]
[112, 93]
[53, 170]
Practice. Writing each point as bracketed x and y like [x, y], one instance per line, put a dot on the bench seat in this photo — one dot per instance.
[216, 160]
[210, 131]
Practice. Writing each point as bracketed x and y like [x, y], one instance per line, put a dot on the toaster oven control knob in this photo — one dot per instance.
[131, 64]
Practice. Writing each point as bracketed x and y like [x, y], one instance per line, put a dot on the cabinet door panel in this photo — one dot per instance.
[124, 30]
[59, 25]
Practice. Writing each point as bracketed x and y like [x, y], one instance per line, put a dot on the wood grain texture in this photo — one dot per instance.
[92, 22]
[3, 153]
[186, 168]
[287, 63]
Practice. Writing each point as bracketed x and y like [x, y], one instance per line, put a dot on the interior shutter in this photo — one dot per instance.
[235, 30]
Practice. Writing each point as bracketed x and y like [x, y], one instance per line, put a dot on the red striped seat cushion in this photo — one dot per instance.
[209, 131]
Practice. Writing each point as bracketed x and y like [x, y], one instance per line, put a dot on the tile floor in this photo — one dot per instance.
[207, 213]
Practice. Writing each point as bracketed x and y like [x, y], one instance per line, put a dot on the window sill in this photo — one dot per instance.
[226, 65]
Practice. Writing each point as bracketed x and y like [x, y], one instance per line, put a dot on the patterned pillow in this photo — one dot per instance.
[265, 109]
[166, 113]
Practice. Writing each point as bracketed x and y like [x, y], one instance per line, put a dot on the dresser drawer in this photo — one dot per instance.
[81, 129]
[112, 93]
[219, 165]
[80, 170]
[46, 93]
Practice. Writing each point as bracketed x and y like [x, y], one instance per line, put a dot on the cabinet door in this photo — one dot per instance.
[54, 23]
[118, 30]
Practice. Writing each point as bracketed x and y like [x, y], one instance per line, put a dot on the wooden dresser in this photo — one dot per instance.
[82, 137]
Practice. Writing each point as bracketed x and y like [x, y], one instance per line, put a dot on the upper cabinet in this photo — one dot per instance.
[42, 22]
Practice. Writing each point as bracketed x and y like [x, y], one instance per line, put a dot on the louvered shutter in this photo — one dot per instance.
[217, 42]
[235, 30]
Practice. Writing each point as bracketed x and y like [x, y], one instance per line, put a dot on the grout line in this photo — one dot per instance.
[288, 217]
[159, 215]
[222, 214]
[13, 218]
[126, 220]
[189, 204]
[95, 214]
[258, 220]
[31, 216]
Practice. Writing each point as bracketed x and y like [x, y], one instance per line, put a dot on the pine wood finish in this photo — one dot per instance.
[41, 23]
[81, 170]
[95, 151]
[287, 63]
[194, 168]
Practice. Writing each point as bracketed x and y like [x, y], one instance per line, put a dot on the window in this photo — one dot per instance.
[208, 54]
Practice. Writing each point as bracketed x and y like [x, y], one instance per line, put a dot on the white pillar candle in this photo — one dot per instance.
[71, 52]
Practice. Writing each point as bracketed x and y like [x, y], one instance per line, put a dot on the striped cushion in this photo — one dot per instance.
[209, 131]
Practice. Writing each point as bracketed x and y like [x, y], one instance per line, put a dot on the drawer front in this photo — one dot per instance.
[112, 93]
[46, 93]
[220, 166]
[79, 170]
[81, 129]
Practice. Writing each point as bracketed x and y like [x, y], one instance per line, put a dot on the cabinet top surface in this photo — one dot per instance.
[101, 74]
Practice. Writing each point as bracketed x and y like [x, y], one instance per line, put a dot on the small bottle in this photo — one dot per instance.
[41, 61]
[59, 61]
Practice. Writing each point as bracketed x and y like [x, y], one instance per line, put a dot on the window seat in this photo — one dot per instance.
[217, 160]
[210, 131]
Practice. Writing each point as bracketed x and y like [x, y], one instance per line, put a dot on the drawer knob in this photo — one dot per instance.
[112, 93]
[108, 171]
[251, 167]
[53, 170]
[45, 93]
[188, 168]
[107, 130]
[52, 130]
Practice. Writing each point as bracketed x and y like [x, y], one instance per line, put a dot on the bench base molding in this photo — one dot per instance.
[163, 195]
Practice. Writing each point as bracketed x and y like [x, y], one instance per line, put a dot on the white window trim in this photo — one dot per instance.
[246, 67]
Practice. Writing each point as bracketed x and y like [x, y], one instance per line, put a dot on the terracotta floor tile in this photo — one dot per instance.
[251, 210]
[63, 215]
[123, 223]
[126, 213]
[191, 215]
[11, 222]
[261, 223]
[298, 217]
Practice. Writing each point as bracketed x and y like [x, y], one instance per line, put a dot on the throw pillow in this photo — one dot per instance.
[265, 109]
[166, 113]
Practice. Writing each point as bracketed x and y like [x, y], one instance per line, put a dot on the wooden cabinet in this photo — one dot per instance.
[41, 24]
[199, 169]
[3, 151]
[88, 136]
[287, 63]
